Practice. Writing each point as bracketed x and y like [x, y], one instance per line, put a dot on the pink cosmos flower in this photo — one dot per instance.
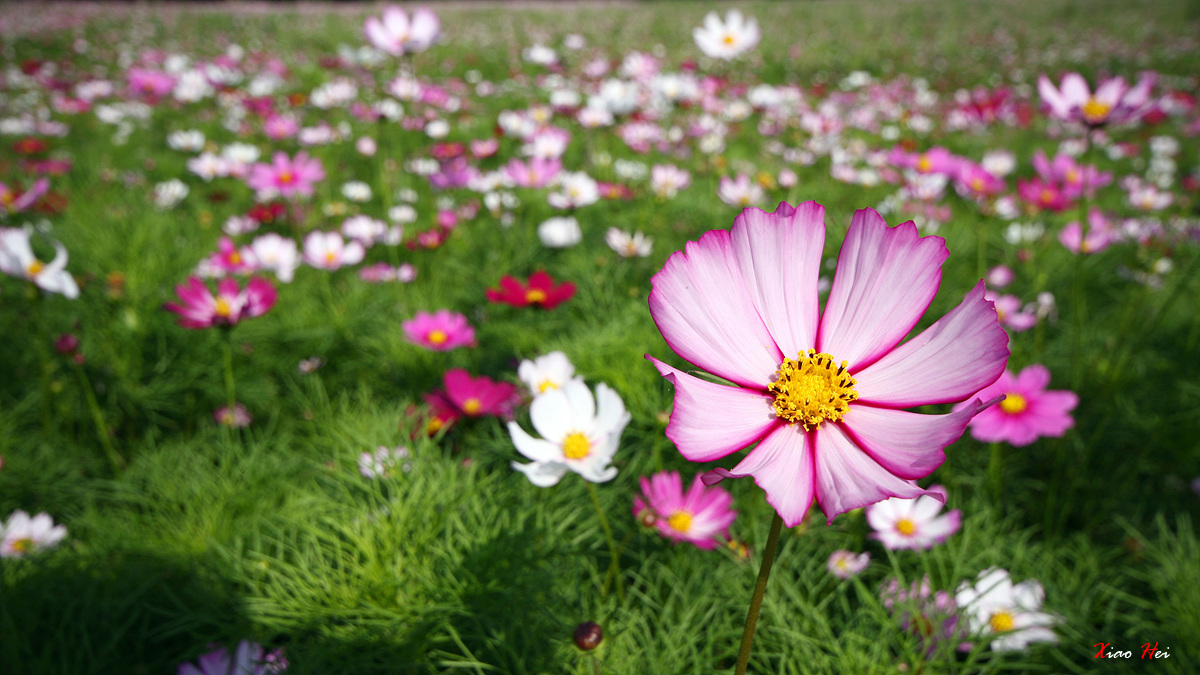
[934, 160]
[739, 191]
[702, 516]
[537, 173]
[1041, 195]
[845, 564]
[913, 523]
[820, 393]
[247, 659]
[328, 251]
[201, 309]
[285, 177]
[1113, 101]
[1028, 411]
[1074, 178]
[397, 35]
[13, 200]
[1100, 234]
[466, 396]
[441, 331]
[236, 417]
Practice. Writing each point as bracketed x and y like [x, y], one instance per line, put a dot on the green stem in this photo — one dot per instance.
[114, 458]
[595, 665]
[44, 362]
[995, 473]
[760, 588]
[230, 391]
[614, 567]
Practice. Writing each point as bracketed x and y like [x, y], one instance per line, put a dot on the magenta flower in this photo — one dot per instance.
[466, 396]
[1113, 101]
[702, 516]
[247, 659]
[820, 393]
[201, 309]
[441, 331]
[1028, 411]
[1012, 316]
[285, 177]
[1100, 234]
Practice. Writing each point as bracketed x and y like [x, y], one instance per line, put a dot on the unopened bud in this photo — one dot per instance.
[66, 344]
[588, 635]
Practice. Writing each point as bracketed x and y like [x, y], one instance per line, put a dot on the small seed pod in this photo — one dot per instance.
[588, 635]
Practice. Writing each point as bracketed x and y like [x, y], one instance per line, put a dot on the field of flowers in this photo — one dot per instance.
[566, 338]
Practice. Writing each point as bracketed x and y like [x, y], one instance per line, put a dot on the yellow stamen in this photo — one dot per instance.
[471, 406]
[224, 309]
[977, 184]
[7, 198]
[924, 164]
[576, 446]
[680, 521]
[286, 178]
[906, 527]
[811, 390]
[35, 268]
[1094, 111]
[235, 258]
[330, 258]
[545, 385]
[433, 426]
[1001, 622]
[1013, 404]
[437, 337]
[729, 39]
[535, 296]
[23, 545]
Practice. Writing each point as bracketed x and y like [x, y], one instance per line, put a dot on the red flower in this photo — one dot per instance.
[29, 146]
[267, 213]
[540, 291]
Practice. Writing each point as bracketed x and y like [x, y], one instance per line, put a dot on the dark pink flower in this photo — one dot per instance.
[199, 308]
[284, 176]
[701, 517]
[441, 331]
[1028, 411]
[820, 394]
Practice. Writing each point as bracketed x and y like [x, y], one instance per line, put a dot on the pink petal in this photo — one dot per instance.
[847, 478]
[782, 465]
[1032, 379]
[957, 356]
[1075, 90]
[706, 314]
[711, 420]
[909, 445]
[779, 255]
[885, 280]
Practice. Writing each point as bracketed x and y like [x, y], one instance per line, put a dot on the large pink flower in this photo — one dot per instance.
[701, 516]
[1028, 411]
[285, 176]
[820, 393]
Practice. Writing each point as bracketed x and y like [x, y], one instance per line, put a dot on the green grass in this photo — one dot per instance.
[461, 565]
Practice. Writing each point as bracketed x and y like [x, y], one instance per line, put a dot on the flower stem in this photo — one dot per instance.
[230, 391]
[995, 473]
[760, 588]
[614, 567]
[114, 458]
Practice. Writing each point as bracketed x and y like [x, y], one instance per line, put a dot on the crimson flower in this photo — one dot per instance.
[820, 394]
[540, 291]
[201, 309]
[466, 396]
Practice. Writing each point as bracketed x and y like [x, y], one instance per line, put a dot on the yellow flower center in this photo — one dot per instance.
[330, 258]
[223, 308]
[680, 521]
[35, 268]
[7, 198]
[977, 184]
[1001, 622]
[924, 164]
[906, 527]
[471, 406]
[437, 337]
[434, 425]
[235, 258]
[23, 545]
[1047, 196]
[1013, 404]
[1095, 111]
[729, 39]
[811, 390]
[545, 385]
[1072, 176]
[535, 296]
[576, 446]
[286, 178]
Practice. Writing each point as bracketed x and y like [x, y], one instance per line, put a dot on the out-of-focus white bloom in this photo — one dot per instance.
[192, 86]
[169, 193]
[740, 191]
[580, 432]
[384, 462]
[726, 39]
[1023, 233]
[334, 94]
[560, 232]
[912, 523]
[17, 260]
[402, 214]
[366, 146]
[995, 607]
[364, 229]
[539, 54]
[845, 564]
[190, 140]
[547, 373]
[357, 191]
[276, 253]
[627, 245]
[208, 165]
[236, 225]
[328, 251]
[22, 535]
[575, 189]
[574, 41]
[666, 180]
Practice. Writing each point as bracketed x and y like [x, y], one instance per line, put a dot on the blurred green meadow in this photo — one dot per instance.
[183, 533]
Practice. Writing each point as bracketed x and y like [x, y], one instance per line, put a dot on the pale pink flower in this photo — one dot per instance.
[740, 191]
[397, 35]
[701, 516]
[820, 394]
[22, 535]
[913, 523]
[845, 564]
[1113, 101]
[328, 251]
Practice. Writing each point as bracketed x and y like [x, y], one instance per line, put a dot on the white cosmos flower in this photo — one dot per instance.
[278, 254]
[912, 523]
[579, 433]
[328, 251]
[575, 189]
[168, 194]
[17, 259]
[190, 140]
[726, 39]
[627, 245]
[1008, 613]
[357, 191]
[547, 373]
[560, 232]
[23, 535]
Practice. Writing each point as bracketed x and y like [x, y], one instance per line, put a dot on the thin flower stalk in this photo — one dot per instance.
[760, 589]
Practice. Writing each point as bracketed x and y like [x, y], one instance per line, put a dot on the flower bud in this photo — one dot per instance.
[588, 635]
[66, 344]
